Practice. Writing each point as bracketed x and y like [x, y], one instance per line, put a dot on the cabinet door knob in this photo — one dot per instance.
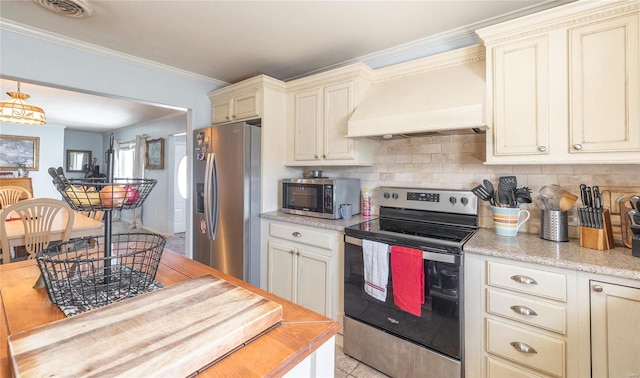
[324, 156]
[292, 251]
[298, 253]
[577, 147]
[227, 117]
[234, 116]
[296, 234]
[542, 148]
[523, 310]
[597, 288]
[524, 280]
[316, 156]
[522, 347]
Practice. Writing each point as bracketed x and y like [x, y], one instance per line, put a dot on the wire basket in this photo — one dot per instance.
[97, 194]
[77, 273]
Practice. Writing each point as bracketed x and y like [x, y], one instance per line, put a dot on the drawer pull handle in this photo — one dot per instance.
[597, 288]
[523, 310]
[524, 280]
[296, 234]
[522, 347]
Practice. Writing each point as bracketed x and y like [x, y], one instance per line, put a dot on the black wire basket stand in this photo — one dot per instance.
[98, 270]
[78, 272]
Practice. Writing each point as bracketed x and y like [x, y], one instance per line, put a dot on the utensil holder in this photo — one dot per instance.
[555, 226]
[598, 238]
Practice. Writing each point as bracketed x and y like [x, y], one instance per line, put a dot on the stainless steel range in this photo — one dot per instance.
[380, 333]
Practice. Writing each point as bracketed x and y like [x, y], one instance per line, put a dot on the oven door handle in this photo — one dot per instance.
[426, 255]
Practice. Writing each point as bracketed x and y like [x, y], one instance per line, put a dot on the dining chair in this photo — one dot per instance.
[37, 216]
[12, 194]
[93, 214]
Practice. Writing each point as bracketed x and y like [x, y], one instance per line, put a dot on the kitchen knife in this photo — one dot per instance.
[597, 205]
[582, 214]
[583, 194]
[588, 197]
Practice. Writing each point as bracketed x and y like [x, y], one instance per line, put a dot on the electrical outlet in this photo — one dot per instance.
[572, 217]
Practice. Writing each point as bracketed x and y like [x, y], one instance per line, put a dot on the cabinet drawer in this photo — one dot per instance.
[531, 281]
[541, 314]
[318, 239]
[547, 353]
[499, 369]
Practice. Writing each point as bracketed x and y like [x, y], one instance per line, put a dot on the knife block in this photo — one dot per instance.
[598, 238]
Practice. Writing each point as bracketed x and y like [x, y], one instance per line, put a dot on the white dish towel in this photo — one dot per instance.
[376, 268]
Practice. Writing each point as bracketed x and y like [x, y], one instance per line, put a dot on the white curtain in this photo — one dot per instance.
[138, 172]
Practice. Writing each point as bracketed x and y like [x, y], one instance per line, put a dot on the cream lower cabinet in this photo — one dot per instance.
[519, 319]
[563, 86]
[529, 320]
[300, 276]
[615, 329]
[303, 266]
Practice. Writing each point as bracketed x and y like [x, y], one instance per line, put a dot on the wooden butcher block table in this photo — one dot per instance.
[203, 312]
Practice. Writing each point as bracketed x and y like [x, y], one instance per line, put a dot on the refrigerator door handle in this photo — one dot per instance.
[211, 203]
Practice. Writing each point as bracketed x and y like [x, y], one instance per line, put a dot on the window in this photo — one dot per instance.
[126, 160]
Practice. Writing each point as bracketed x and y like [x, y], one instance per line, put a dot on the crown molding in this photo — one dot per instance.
[464, 36]
[31, 31]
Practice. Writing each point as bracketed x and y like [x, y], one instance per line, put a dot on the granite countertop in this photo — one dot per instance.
[617, 262]
[329, 224]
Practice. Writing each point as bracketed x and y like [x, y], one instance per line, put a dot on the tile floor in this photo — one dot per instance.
[175, 243]
[347, 367]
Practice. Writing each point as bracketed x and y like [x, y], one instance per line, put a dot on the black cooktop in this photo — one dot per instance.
[426, 236]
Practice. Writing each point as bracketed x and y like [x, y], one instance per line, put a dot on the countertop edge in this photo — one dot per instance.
[328, 224]
[616, 262]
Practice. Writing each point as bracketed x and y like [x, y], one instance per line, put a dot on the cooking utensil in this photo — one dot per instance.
[489, 186]
[481, 192]
[506, 186]
[567, 201]
[635, 202]
[523, 195]
[315, 174]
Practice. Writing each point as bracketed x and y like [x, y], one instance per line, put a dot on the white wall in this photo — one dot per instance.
[51, 154]
[30, 59]
[83, 141]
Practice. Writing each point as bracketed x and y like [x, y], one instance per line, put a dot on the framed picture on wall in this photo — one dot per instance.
[154, 158]
[19, 151]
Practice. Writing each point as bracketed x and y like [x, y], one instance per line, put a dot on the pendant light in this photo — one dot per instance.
[17, 110]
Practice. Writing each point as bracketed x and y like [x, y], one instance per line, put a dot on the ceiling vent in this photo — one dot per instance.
[69, 8]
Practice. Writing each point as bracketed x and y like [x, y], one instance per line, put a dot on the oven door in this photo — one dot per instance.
[438, 328]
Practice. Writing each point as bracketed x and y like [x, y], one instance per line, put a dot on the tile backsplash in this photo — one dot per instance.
[456, 162]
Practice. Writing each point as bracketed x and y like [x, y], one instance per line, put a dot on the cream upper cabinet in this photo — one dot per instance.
[604, 77]
[238, 105]
[615, 330]
[308, 125]
[563, 86]
[319, 108]
[521, 103]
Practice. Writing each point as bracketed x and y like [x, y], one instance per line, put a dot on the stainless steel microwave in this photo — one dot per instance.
[320, 198]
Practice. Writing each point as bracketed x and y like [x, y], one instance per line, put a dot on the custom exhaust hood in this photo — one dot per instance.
[441, 94]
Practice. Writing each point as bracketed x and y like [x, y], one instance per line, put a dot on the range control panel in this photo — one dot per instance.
[443, 200]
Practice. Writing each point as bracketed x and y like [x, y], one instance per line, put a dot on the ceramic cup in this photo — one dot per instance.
[346, 211]
[506, 220]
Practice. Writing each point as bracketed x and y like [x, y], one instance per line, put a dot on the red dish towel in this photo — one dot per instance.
[407, 275]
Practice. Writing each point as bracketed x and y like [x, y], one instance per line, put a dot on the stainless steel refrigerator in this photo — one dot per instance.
[227, 199]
